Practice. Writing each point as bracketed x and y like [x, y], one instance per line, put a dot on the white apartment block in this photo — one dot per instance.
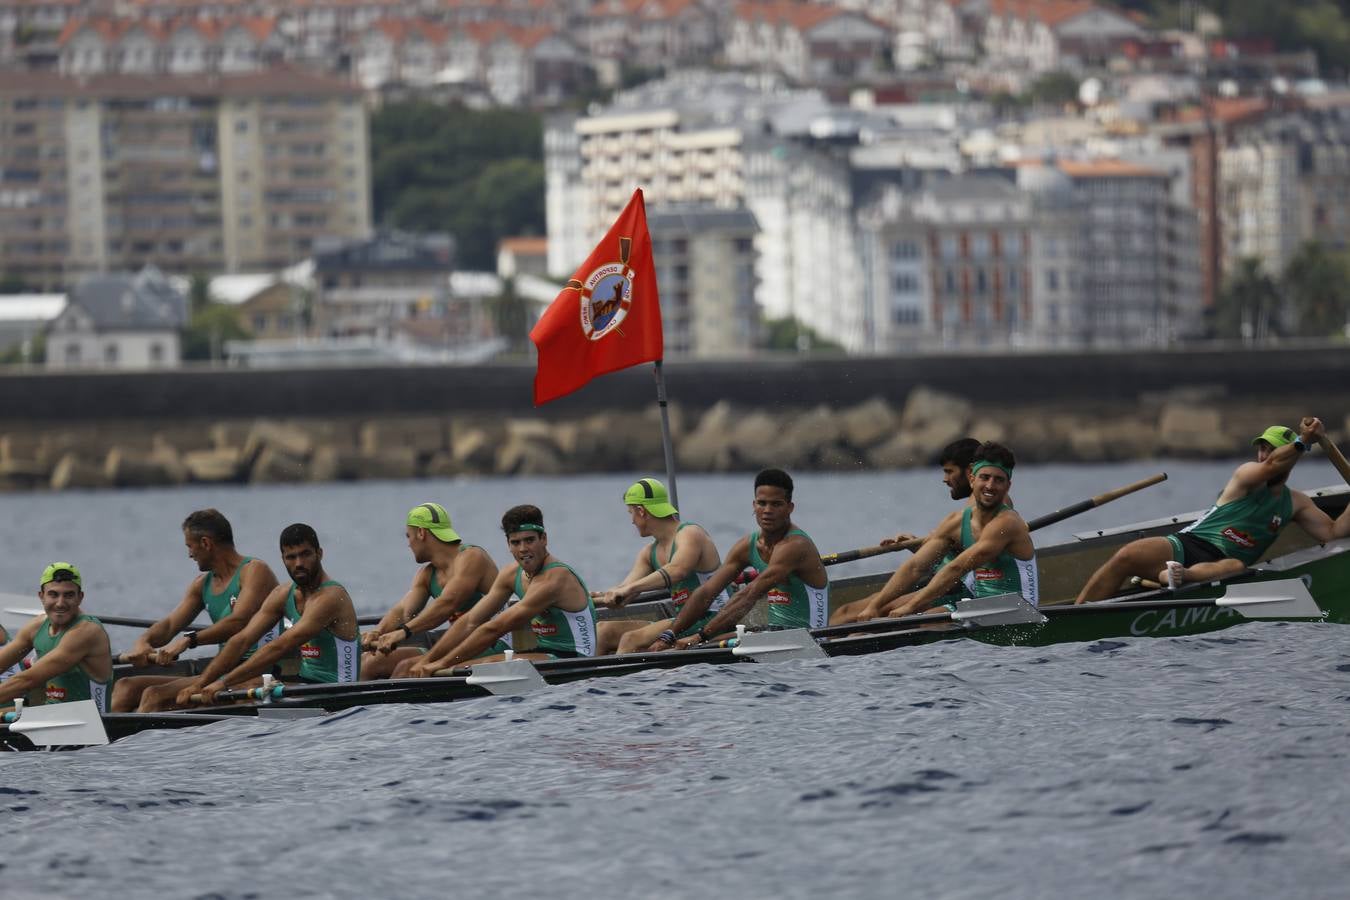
[807, 42]
[191, 173]
[698, 139]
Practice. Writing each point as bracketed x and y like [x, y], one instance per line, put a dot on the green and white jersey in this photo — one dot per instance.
[680, 590]
[556, 629]
[325, 657]
[14, 669]
[794, 603]
[220, 604]
[73, 684]
[1005, 575]
[1244, 529]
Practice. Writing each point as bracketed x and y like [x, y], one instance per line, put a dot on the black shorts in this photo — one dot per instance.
[555, 652]
[1196, 550]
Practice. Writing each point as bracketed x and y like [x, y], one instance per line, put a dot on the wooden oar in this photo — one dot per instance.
[1083, 506]
[1337, 458]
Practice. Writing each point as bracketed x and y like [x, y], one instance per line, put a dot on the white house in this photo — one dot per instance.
[119, 321]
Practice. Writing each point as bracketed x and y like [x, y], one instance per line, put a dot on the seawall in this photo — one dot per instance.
[92, 429]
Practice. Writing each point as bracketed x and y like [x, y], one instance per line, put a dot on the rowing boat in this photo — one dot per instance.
[1300, 580]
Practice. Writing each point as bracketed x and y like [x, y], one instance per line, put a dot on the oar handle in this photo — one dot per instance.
[843, 556]
[1336, 456]
[1060, 515]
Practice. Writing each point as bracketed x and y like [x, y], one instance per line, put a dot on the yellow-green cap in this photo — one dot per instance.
[434, 518]
[61, 571]
[1276, 436]
[651, 495]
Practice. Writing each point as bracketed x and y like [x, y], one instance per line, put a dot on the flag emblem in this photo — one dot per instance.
[606, 297]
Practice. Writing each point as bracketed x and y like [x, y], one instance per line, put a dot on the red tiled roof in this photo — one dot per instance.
[1106, 168]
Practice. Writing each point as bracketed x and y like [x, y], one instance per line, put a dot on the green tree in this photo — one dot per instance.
[511, 317]
[1248, 307]
[477, 174]
[14, 353]
[199, 293]
[14, 283]
[209, 329]
[1316, 282]
[1055, 88]
[790, 334]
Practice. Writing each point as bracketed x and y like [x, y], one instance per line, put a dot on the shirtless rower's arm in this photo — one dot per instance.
[1006, 531]
[79, 642]
[256, 581]
[471, 570]
[479, 614]
[407, 606]
[625, 590]
[321, 609]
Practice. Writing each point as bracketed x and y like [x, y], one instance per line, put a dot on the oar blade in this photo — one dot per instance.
[1001, 609]
[1288, 598]
[775, 646]
[511, 678]
[77, 723]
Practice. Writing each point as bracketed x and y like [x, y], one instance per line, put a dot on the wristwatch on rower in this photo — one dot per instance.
[1299, 445]
[191, 639]
[407, 630]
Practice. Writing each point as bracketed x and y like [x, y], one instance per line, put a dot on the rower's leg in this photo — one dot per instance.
[609, 636]
[159, 697]
[1144, 557]
[850, 612]
[639, 639]
[127, 691]
[1210, 571]
[382, 665]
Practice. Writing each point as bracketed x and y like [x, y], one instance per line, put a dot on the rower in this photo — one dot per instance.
[453, 577]
[18, 666]
[319, 622]
[230, 588]
[677, 564]
[988, 545]
[1252, 509]
[790, 574]
[550, 598]
[955, 460]
[74, 661]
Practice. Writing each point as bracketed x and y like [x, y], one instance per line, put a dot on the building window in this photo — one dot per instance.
[980, 246]
[1052, 279]
[904, 250]
[906, 283]
[156, 353]
[110, 354]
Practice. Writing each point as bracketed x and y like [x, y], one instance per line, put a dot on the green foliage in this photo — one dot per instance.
[1316, 282]
[14, 283]
[1248, 307]
[210, 328]
[789, 334]
[476, 174]
[199, 293]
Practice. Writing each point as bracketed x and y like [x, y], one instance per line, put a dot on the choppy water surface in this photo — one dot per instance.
[1141, 768]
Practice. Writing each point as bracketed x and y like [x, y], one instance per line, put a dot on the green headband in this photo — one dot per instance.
[527, 526]
[981, 463]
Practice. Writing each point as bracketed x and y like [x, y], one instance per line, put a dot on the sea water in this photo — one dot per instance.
[1125, 768]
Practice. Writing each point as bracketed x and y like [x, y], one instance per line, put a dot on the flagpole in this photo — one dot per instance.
[665, 434]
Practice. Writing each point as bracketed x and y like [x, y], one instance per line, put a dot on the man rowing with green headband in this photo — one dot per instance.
[679, 559]
[1253, 508]
[536, 591]
[991, 548]
[73, 659]
[452, 578]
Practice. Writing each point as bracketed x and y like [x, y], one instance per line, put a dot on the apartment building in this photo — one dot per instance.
[191, 173]
[705, 268]
[1043, 35]
[808, 42]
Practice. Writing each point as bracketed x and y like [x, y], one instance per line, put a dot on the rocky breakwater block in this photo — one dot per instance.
[283, 439]
[125, 467]
[72, 471]
[528, 449]
[811, 434]
[388, 464]
[424, 435]
[473, 448]
[222, 465]
[615, 440]
[1191, 431]
[23, 474]
[707, 448]
[334, 464]
[275, 466]
[21, 446]
[930, 421]
[757, 440]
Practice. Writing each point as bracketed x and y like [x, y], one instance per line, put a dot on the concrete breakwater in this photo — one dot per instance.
[875, 433]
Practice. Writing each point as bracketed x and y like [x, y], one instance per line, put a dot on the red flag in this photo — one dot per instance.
[608, 317]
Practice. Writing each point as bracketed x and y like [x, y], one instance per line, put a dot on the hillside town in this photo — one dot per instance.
[200, 179]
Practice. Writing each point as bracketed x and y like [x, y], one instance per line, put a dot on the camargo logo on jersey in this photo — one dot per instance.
[1241, 538]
